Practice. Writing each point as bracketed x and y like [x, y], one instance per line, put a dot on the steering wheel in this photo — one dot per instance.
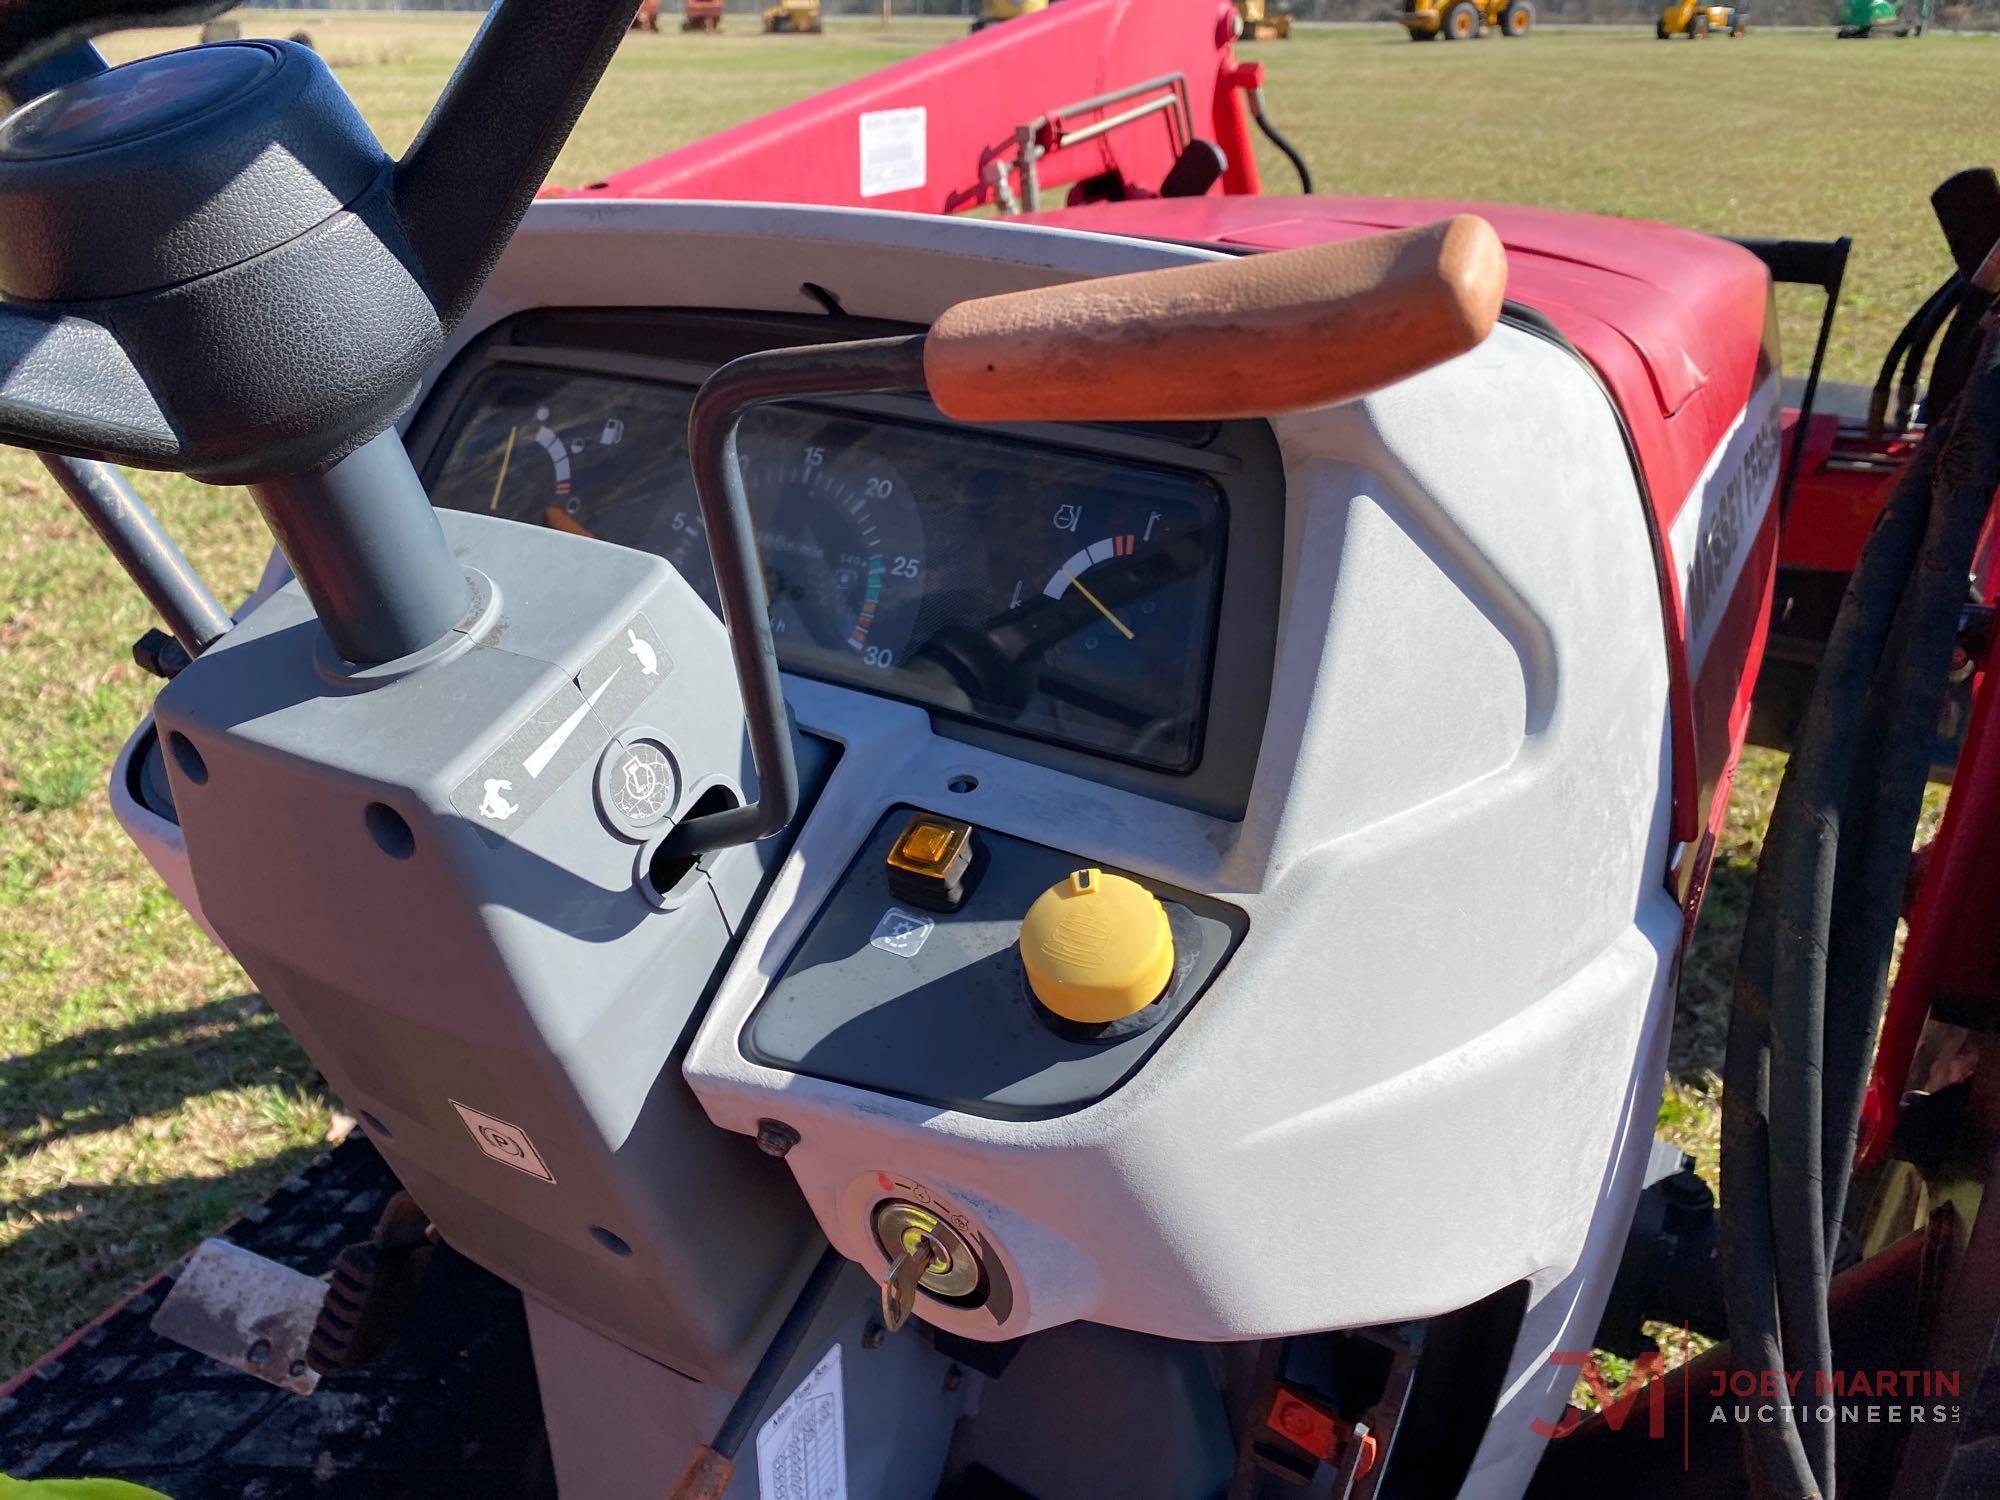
[145, 217]
[211, 265]
[181, 295]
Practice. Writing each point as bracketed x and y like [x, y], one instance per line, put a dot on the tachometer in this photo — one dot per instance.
[838, 534]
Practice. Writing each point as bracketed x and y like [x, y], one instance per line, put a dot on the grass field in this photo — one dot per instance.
[145, 1092]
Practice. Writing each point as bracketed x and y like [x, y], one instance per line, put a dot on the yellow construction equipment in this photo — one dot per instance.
[1260, 21]
[793, 15]
[1461, 20]
[993, 11]
[1693, 20]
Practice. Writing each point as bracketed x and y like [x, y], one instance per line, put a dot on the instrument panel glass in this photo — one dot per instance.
[1066, 595]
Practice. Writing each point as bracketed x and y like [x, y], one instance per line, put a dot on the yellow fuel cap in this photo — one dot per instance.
[1097, 948]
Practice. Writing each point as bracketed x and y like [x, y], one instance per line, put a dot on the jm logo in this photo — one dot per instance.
[1614, 1406]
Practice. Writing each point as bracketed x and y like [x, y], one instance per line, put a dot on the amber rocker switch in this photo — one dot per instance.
[932, 862]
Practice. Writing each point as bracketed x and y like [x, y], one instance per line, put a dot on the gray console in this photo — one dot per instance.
[477, 941]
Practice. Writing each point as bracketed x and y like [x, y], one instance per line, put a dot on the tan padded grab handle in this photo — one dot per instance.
[1259, 335]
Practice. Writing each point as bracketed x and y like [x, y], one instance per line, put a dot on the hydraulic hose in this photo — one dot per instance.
[1290, 152]
[1898, 736]
[1756, 1155]
[1822, 918]
[1956, 351]
[1899, 351]
[1920, 350]
[1773, 1451]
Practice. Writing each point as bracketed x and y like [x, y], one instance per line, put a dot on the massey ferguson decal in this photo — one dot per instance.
[1716, 527]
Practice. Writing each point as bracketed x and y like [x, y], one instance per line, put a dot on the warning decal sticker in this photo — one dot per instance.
[893, 150]
[504, 1143]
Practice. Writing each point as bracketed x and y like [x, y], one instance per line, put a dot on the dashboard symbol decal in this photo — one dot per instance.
[628, 667]
[901, 933]
[636, 784]
[642, 653]
[544, 750]
[645, 784]
[538, 759]
[569, 729]
[493, 804]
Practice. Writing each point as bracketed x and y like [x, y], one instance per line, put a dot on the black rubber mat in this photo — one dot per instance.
[451, 1411]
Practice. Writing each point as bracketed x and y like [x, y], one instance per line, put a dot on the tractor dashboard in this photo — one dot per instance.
[1062, 588]
[1149, 768]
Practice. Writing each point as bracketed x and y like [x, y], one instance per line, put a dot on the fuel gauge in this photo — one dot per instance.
[1117, 626]
[580, 454]
[1082, 561]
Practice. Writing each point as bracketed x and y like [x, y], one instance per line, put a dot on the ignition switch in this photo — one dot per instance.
[923, 1251]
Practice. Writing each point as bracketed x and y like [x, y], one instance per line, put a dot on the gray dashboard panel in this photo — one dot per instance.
[951, 1023]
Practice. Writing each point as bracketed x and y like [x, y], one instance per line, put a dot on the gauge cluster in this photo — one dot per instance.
[1060, 594]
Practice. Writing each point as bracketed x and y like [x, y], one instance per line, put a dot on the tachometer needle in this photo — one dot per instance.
[1084, 590]
[558, 519]
[506, 458]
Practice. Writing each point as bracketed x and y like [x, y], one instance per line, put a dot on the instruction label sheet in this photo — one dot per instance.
[802, 1449]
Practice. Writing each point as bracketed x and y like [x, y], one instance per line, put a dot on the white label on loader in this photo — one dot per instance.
[802, 1450]
[893, 151]
[504, 1142]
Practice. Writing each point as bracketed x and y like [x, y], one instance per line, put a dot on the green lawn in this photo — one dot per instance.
[145, 1093]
